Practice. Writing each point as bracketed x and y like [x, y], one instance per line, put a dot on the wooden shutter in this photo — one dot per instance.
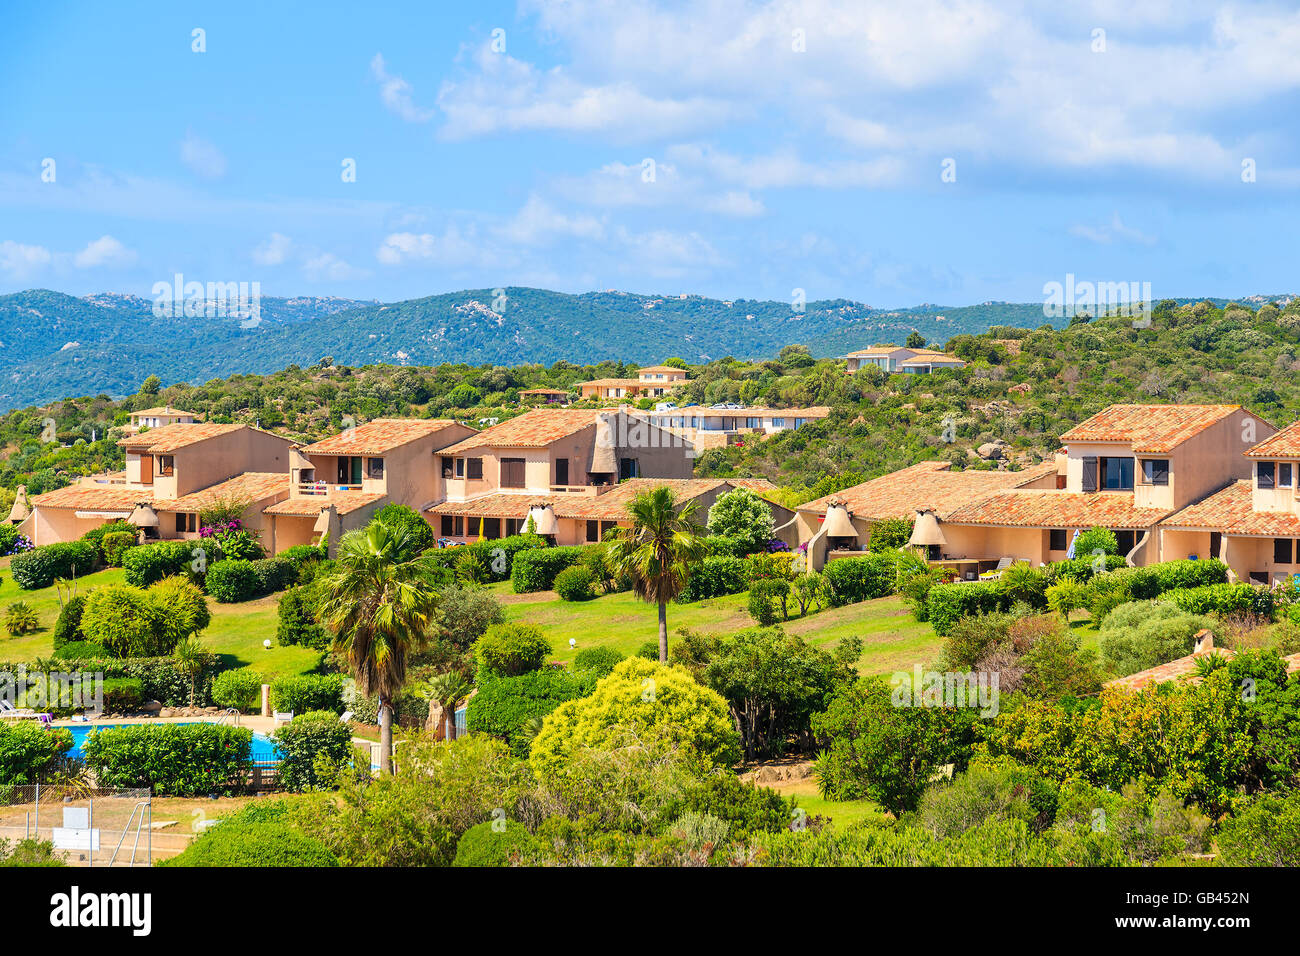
[512, 473]
[1090, 473]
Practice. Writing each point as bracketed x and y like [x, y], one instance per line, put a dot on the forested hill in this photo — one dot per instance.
[1021, 387]
[54, 345]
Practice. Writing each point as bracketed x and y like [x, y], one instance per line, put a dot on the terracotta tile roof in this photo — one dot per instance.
[1184, 668]
[1150, 428]
[610, 506]
[1284, 444]
[613, 383]
[929, 358]
[929, 484]
[378, 437]
[877, 350]
[662, 368]
[163, 410]
[1049, 508]
[169, 438]
[87, 498]
[1230, 511]
[813, 411]
[309, 506]
[534, 429]
[251, 486]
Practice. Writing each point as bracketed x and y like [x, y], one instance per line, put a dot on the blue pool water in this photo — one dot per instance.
[263, 750]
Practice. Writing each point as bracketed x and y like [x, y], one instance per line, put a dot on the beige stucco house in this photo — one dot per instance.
[899, 359]
[653, 381]
[718, 426]
[158, 417]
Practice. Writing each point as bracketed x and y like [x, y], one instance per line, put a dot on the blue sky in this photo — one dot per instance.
[1114, 155]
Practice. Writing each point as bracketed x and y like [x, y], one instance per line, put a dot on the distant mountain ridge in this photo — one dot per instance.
[54, 345]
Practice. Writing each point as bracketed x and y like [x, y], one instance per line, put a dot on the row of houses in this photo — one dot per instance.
[571, 470]
[1172, 482]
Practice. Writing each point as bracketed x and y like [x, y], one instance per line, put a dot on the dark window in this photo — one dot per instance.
[376, 469]
[166, 465]
[1125, 538]
[1117, 474]
[1058, 541]
[1155, 471]
[460, 467]
[1216, 540]
[448, 526]
[627, 468]
[1264, 471]
[1282, 550]
[512, 473]
[447, 465]
[1284, 474]
[491, 528]
[1090, 473]
[474, 468]
[593, 530]
[561, 471]
[194, 521]
[180, 522]
[514, 526]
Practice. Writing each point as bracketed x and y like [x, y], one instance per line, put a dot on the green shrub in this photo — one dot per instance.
[308, 692]
[401, 516]
[465, 613]
[889, 534]
[716, 576]
[115, 546]
[598, 660]
[768, 600]
[241, 689]
[82, 651]
[260, 835]
[183, 608]
[860, 579]
[305, 559]
[28, 853]
[126, 621]
[496, 843]
[67, 629]
[1223, 599]
[122, 694]
[507, 650]
[1021, 583]
[496, 555]
[1266, 832]
[40, 567]
[273, 574]
[28, 750]
[297, 622]
[96, 538]
[948, 603]
[20, 619]
[984, 792]
[309, 745]
[1145, 634]
[746, 808]
[233, 581]
[1082, 569]
[970, 638]
[1095, 540]
[506, 707]
[575, 584]
[743, 517]
[648, 651]
[535, 569]
[176, 760]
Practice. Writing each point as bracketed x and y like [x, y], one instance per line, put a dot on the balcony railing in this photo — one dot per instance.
[323, 488]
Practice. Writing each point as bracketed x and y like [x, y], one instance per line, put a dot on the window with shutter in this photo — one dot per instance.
[512, 473]
[1090, 473]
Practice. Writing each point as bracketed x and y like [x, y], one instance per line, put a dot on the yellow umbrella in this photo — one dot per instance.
[480, 529]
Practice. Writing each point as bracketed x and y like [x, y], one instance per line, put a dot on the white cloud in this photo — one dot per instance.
[1110, 232]
[18, 261]
[538, 221]
[453, 248]
[202, 157]
[395, 93]
[328, 267]
[273, 251]
[104, 251]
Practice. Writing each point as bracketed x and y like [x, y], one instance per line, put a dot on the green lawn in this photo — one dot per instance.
[236, 632]
[893, 640]
[841, 812]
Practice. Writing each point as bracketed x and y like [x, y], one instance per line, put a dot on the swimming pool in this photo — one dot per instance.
[263, 750]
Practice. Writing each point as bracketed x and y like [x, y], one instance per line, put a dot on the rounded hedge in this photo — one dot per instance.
[599, 660]
[309, 736]
[238, 844]
[233, 581]
[575, 584]
[507, 650]
[40, 567]
[241, 689]
[496, 843]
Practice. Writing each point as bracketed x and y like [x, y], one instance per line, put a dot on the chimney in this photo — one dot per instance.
[1204, 642]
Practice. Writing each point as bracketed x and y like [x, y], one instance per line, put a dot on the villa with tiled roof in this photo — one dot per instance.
[653, 381]
[898, 358]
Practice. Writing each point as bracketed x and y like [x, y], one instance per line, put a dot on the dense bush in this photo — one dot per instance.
[297, 622]
[40, 567]
[946, 604]
[308, 692]
[183, 608]
[176, 760]
[122, 695]
[496, 555]
[241, 689]
[1094, 541]
[401, 516]
[1264, 833]
[860, 579]
[507, 843]
[1004, 791]
[506, 707]
[599, 660]
[768, 601]
[1223, 599]
[67, 629]
[95, 537]
[1144, 634]
[115, 546]
[259, 835]
[126, 621]
[273, 574]
[716, 576]
[743, 517]
[535, 569]
[312, 736]
[639, 700]
[746, 809]
[574, 584]
[507, 650]
[28, 750]
[465, 613]
[305, 559]
[147, 564]
[232, 581]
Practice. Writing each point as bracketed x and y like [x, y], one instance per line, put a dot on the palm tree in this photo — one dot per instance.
[657, 551]
[379, 602]
[192, 657]
[447, 690]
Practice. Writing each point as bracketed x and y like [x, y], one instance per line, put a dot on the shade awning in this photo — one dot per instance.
[838, 523]
[926, 531]
[113, 515]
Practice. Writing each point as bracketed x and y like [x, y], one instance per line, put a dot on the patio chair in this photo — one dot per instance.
[282, 716]
[1003, 564]
[10, 712]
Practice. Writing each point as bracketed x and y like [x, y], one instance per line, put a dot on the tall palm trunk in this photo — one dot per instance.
[663, 632]
[385, 736]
